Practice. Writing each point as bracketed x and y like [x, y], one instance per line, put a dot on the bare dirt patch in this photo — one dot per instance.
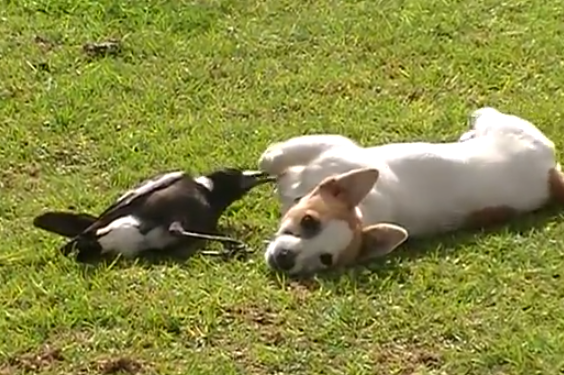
[32, 362]
[115, 365]
[15, 171]
[252, 313]
[119, 365]
[405, 359]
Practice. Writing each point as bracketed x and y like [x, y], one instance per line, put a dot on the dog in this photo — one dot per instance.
[164, 213]
[343, 204]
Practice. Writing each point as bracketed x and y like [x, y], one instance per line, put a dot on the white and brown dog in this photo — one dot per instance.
[344, 204]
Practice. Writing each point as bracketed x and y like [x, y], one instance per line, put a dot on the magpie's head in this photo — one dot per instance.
[227, 185]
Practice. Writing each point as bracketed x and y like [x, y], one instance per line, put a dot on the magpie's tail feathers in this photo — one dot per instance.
[67, 224]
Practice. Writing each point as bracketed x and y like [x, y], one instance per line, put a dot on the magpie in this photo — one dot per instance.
[167, 212]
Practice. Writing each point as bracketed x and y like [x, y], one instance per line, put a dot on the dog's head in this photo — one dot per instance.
[324, 228]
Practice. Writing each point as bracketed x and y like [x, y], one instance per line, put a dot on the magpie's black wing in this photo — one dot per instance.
[140, 192]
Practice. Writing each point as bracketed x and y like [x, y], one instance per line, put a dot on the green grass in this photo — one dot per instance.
[201, 84]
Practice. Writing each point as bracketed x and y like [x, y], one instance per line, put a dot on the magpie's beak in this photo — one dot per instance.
[255, 178]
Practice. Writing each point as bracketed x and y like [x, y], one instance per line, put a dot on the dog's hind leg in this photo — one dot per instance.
[490, 121]
[297, 151]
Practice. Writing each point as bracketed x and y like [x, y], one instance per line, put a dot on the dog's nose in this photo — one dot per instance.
[285, 259]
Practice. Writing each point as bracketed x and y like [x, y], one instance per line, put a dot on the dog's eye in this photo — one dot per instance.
[326, 259]
[310, 225]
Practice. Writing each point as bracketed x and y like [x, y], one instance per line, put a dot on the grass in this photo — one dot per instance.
[201, 84]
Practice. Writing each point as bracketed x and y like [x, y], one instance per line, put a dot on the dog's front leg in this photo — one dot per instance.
[298, 151]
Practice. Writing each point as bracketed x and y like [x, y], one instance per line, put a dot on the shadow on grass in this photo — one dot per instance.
[441, 245]
[181, 256]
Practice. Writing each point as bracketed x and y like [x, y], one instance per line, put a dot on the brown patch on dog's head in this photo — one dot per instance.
[323, 229]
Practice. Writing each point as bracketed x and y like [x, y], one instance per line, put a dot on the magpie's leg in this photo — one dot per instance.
[231, 246]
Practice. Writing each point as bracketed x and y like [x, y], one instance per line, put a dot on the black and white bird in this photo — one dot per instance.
[167, 212]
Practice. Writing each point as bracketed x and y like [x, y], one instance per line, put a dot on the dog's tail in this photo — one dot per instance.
[556, 184]
[298, 151]
[66, 224]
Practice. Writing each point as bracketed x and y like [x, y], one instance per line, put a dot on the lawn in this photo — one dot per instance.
[201, 84]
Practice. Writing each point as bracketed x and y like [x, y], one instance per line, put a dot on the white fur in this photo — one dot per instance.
[122, 235]
[337, 236]
[427, 188]
[291, 152]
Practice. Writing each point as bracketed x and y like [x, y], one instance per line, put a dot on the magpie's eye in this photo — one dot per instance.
[310, 225]
[326, 259]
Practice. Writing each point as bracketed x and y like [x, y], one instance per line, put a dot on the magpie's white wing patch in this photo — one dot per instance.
[123, 236]
[148, 185]
[205, 182]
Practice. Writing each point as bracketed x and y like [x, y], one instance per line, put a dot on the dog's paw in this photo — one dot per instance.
[466, 136]
[269, 161]
[481, 114]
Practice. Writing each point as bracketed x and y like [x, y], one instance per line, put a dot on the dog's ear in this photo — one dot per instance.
[379, 240]
[350, 187]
